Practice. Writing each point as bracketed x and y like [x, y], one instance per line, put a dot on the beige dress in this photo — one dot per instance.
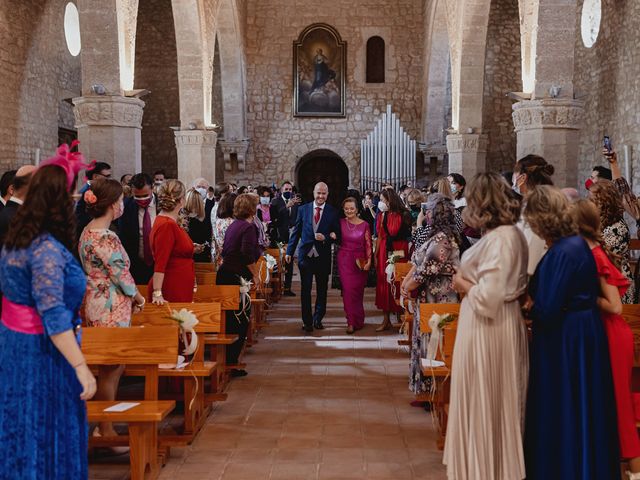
[490, 363]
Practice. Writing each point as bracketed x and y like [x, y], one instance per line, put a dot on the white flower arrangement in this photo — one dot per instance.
[391, 269]
[436, 324]
[245, 297]
[187, 321]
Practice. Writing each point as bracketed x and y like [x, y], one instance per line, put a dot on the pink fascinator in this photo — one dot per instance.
[71, 162]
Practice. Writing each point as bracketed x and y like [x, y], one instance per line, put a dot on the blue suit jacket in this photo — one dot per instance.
[303, 232]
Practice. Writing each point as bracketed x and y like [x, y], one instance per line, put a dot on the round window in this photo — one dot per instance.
[72, 29]
[591, 15]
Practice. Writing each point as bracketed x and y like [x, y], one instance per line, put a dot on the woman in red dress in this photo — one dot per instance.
[172, 248]
[394, 229]
[613, 285]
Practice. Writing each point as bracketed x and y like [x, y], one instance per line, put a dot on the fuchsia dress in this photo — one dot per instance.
[355, 244]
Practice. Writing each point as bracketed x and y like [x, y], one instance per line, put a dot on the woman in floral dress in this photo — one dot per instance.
[111, 293]
[434, 265]
[224, 218]
[615, 231]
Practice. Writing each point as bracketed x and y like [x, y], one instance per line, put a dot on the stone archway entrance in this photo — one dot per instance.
[322, 166]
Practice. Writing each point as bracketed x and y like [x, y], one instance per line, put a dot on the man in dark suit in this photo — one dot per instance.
[134, 227]
[20, 186]
[284, 209]
[6, 188]
[317, 226]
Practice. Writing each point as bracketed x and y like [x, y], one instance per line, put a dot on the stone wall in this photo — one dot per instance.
[278, 139]
[608, 77]
[38, 72]
[502, 75]
[157, 70]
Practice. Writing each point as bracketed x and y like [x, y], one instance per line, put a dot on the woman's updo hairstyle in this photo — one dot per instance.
[169, 194]
[103, 193]
[537, 169]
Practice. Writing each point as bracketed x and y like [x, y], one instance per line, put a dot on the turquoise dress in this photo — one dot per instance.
[43, 423]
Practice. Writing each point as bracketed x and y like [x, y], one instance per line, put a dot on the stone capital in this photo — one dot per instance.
[556, 113]
[195, 138]
[467, 143]
[237, 147]
[108, 111]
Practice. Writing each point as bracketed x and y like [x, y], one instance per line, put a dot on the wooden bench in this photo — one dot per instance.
[277, 277]
[401, 272]
[205, 278]
[196, 406]
[205, 267]
[440, 375]
[145, 348]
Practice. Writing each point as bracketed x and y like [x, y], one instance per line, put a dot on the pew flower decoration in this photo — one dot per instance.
[437, 324]
[271, 263]
[390, 270]
[187, 321]
[245, 297]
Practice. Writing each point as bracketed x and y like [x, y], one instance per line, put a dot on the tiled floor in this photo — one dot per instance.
[318, 406]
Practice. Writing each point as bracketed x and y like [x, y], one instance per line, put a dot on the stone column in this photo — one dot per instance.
[196, 155]
[109, 131]
[549, 127]
[237, 147]
[467, 153]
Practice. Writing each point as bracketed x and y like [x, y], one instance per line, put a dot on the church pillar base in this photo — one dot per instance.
[467, 153]
[109, 130]
[196, 155]
[550, 128]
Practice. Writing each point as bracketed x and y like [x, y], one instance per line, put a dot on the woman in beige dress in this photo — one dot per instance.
[490, 359]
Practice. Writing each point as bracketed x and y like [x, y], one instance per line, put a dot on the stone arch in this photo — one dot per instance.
[350, 158]
[232, 69]
[322, 165]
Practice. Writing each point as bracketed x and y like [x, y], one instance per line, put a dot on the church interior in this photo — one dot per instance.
[259, 92]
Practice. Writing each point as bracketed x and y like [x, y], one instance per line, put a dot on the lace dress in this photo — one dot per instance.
[616, 236]
[43, 424]
[435, 263]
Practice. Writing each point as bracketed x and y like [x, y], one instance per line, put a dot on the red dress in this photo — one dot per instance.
[621, 354]
[385, 300]
[172, 250]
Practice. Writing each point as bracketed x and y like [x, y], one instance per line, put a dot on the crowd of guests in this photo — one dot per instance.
[509, 247]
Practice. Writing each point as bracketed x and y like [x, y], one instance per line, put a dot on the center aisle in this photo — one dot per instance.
[325, 405]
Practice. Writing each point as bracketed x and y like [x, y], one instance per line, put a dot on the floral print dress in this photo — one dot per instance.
[219, 230]
[110, 286]
[435, 262]
[617, 238]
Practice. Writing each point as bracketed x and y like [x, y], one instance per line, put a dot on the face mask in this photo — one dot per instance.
[515, 187]
[454, 188]
[588, 184]
[265, 200]
[118, 209]
[202, 191]
[382, 206]
[157, 183]
[415, 208]
[286, 195]
[143, 202]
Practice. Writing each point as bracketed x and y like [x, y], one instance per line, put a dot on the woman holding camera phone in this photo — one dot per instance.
[354, 261]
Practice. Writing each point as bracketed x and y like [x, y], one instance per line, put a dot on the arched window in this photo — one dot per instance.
[72, 29]
[375, 60]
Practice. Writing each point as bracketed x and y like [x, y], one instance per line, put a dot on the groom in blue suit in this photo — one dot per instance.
[317, 226]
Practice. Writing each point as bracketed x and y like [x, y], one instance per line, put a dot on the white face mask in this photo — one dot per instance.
[454, 189]
[202, 191]
[265, 200]
[383, 207]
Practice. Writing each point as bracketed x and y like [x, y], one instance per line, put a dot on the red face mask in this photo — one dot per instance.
[143, 202]
[588, 184]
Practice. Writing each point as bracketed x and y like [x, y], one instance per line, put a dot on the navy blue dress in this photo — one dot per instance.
[43, 422]
[570, 428]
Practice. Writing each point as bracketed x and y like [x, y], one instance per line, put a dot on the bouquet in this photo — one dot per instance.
[187, 322]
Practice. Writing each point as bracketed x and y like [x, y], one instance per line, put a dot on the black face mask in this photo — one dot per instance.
[415, 208]
[286, 195]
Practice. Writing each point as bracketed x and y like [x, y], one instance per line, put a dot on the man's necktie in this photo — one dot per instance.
[146, 232]
[316, 217]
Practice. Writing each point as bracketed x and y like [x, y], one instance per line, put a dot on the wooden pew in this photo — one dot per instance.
[205, 278]
[277, 278]
[401, 271]
[196, 407]
[205, 267]
[229, 298]
[145, 348]
[440, 375]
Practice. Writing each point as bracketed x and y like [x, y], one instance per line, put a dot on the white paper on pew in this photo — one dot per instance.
[425, 362]
[121, 407]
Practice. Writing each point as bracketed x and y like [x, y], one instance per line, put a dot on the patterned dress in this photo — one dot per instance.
[616, 236]
[110, 286]
[219, 230]
[43, 423]
[435, 263]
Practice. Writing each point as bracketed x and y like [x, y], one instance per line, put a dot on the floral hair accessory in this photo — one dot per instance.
[71, 162]
[90, 197]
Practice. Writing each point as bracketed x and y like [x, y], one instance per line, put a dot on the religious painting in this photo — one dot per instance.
[319, 71]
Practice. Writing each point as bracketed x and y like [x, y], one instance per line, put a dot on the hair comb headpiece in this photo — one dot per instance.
[71, 162]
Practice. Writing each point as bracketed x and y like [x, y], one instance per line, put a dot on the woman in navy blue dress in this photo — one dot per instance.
[570, 430]
[44, 377]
